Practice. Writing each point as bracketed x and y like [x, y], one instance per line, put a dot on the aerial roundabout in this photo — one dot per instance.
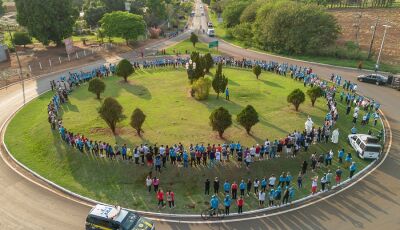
[177, 124]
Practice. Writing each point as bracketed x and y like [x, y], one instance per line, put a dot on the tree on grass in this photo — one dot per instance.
[257, 70]
[220, 120]
[124, 69]
[247, 118]
[111, 112]
[219, 82]
[201, 88]
[208, 62]
[97, 87]
[314, 93]
[47, 20]
[137, 120]
[21, 39]
[124, 25]
[194, 39]
[296, 97]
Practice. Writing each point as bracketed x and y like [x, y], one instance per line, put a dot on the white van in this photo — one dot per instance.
[211, 32]
[366, 146]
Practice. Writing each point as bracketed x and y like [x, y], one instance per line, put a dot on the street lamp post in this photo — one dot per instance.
[380, 50]
[19, 64]
[373, 37]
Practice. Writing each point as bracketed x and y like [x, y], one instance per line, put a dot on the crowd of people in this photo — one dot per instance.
[158, 157]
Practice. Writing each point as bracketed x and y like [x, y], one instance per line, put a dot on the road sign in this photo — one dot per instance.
[213, 44]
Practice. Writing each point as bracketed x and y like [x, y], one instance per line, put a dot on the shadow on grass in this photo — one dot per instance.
[137, 90]
[270, 83]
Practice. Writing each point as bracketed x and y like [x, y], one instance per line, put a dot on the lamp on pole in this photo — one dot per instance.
[373, 28]
[380, 50]
[19, 64]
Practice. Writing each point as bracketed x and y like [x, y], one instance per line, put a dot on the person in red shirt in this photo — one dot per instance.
[171, 199]
[160, 198]
[240, 203]
[234, 189]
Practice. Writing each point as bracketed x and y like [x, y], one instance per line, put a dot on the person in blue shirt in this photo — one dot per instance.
[291, 194]
[227, 204]
[354, 130]
[341, 155]
[227, 187]
[232, 148]
[242, 187]
[352, 169]
[123, 152]
[282, 179]
[185, 159]
[264, 184]
[214, 202]
[227, 93]
[348, 159]
[238, 147]
[271, 197]
[278, 195]
[289, 178]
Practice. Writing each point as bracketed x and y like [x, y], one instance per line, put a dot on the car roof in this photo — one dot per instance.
[109, 212]
[368, 139]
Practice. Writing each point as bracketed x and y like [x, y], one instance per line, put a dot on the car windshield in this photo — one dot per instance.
[375, 149]
[130, 221]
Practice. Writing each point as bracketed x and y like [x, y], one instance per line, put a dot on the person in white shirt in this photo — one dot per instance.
[256, 183]
[149, 182]
[261, 197]
[271, 181]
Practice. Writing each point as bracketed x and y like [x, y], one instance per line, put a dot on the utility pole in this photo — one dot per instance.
[19, 64]
[380, 50]
[373, 37]
[356, 25]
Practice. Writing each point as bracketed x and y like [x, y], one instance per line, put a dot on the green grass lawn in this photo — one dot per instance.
[172, 117]
[187, 47]
[221, 32]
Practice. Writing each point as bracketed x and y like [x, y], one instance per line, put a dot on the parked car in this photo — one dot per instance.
[211, 32]
[366, 146]
[377, 79]
[116, 218]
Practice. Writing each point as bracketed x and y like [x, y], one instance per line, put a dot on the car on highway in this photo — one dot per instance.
[377, 79]
[210, 25]
[116, 218]
[211, 32]
[366, 146]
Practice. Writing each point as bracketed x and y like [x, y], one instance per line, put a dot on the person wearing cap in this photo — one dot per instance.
[214, 202]
[227, 204]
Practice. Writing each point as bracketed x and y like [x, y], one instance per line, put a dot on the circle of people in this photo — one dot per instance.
[215, 154]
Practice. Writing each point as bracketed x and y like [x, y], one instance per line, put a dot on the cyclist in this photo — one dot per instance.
[214, 204]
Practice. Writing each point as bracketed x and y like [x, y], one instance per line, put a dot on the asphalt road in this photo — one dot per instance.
[372, 203]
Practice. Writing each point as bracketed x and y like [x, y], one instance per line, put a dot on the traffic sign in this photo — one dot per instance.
[213, 44]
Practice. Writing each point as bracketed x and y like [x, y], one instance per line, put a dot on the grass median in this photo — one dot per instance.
[172, 117]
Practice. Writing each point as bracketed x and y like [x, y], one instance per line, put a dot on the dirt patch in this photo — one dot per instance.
[347, 18]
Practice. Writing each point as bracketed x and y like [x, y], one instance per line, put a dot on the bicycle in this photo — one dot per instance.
[211, 213]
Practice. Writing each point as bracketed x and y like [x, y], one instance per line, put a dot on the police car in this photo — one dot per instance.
[103, 217]
[366, 146]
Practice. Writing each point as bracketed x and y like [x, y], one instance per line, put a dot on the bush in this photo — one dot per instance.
[111, 112]
[314, 93]
[97, 87]
[154, 32]
[243, 32]
[208, 62]
[124, 69]
[247, 118]
[293, 27]
[220, 120]
[194, 39]
[231, 13]
[22, 39]
[137, 120]
[201, 88]
[296, 97]
[219, 81]
[257, 70]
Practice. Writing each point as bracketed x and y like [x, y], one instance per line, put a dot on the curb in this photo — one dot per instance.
[90, 202]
